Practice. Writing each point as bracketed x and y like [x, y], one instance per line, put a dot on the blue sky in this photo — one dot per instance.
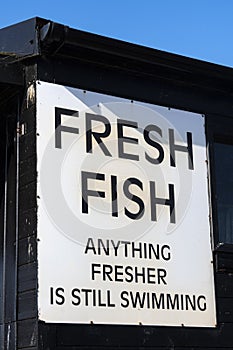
[201, 29]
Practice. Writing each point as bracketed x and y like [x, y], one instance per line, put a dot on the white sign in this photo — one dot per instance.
[123, 216]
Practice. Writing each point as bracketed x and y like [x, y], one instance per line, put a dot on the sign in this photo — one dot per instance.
[123, 213]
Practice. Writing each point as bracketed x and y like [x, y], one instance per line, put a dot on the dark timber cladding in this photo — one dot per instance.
[39, 49]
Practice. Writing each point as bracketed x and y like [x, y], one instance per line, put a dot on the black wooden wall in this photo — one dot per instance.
[8, 218]
[27, 256]
[90, 62]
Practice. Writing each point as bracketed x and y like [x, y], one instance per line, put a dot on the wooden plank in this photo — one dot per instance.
[27, 145]
[224, 284]
[28, 117]
[141, 348]
[152, 88]
[225, 310]
[47, 336]
[27, 201]
[27, 305]
[28, 172]
[27, 250]
[145, 337]
[27, 277]
[28, 223]
[27, 333]
[224, 262]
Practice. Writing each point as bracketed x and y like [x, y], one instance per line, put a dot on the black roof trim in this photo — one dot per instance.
[41, 37]
[63, 40]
